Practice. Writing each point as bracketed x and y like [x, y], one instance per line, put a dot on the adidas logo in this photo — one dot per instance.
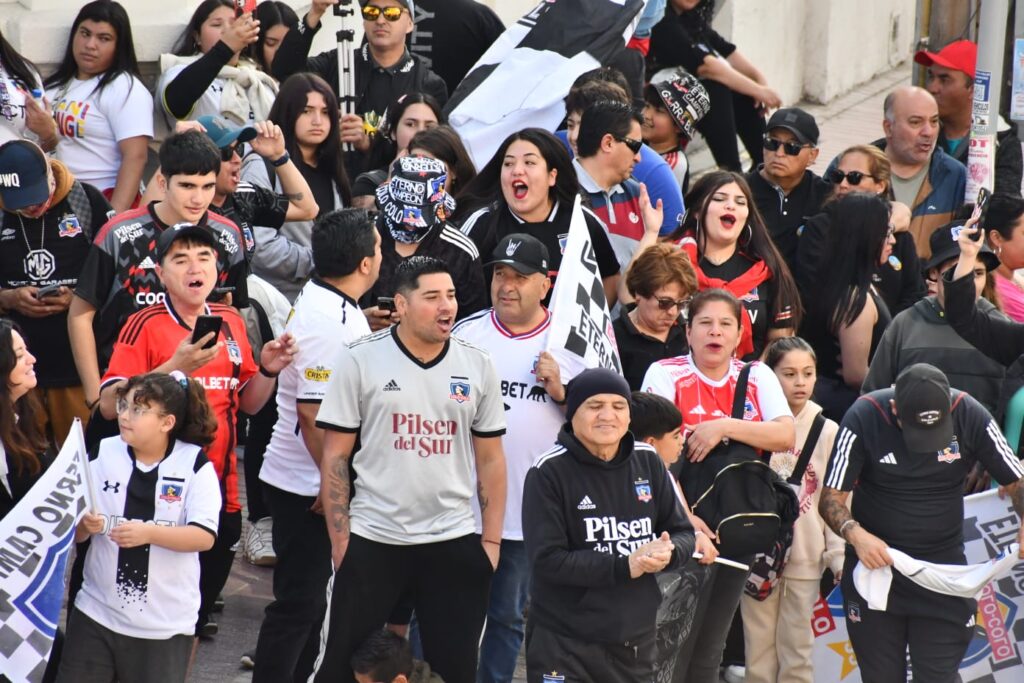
[392, 386]
[147, 263]
[888, 459]
[586, 504]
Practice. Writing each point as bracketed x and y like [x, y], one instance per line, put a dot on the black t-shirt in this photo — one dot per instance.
[637, 351]
[321, 184]
[686, 39]
[451, 35]
[784, 214]
[251, 205]
[51, 251]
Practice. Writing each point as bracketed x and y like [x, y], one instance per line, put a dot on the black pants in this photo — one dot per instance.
[289, 636]
[215, 564]
[702, 650]
[261, 427]
[550, 655]
[732, 114]
[449, 583]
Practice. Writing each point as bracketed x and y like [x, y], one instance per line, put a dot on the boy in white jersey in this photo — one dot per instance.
[326, 317]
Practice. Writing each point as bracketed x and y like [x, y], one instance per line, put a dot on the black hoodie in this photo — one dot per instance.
[582, 517]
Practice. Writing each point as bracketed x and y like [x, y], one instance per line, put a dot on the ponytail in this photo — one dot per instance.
[179, 396]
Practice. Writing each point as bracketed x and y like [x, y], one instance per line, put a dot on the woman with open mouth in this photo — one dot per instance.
[730, 248]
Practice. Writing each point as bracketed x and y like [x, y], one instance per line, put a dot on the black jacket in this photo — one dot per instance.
[20, 482]
[638, 351]
[784, 214]
[998, 338]
[582, 517]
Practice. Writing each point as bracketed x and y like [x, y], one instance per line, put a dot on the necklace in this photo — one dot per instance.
[39, 263]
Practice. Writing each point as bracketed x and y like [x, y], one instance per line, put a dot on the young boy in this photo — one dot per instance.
[672, 109]
[385, 657]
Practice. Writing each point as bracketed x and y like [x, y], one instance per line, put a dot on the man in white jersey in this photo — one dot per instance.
[515, 332]
[346, 257]
[427, 408]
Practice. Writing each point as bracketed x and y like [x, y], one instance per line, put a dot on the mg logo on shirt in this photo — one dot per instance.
[40, 264]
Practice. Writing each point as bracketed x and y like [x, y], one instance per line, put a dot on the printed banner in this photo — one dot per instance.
[1017, 89]
[996, 654]
[581, 334]
[36, 539]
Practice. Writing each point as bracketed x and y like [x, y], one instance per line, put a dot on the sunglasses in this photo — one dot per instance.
[791, 148]
[835, 176]
[934, 275]
[372, 13]
[634, 145]
[667, 304]
[227, 153]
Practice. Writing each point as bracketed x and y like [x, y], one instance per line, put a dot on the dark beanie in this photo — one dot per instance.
[591, 383]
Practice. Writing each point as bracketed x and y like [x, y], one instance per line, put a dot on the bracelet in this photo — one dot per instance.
[284, 159]
[565, 397]
[268, 373]
[487, 540]
[842, 527]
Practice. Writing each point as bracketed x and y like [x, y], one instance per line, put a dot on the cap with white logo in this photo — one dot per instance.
[923, 407]
[525, 253]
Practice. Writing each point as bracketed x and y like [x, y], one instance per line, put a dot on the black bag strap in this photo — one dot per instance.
[809, 445]
[739, 399]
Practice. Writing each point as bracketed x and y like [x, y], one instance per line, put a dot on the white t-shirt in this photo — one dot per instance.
[207, 105]
[416, 467]
[148, 591]
[15, 127]
[533, 418]
[90, 123]
[323, 319]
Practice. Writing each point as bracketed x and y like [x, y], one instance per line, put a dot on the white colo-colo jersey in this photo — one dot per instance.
[323, 320]
[147, 591]
[533, 418]
[416, 421]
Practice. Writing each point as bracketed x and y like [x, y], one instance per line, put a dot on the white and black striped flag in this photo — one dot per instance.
[524, 76]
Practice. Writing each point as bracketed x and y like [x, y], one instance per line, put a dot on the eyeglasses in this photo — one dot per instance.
[667, 304]
[134, 411]
[228, 153]
[791, 148]
[634, 145]
[372, 13]
[835, 176]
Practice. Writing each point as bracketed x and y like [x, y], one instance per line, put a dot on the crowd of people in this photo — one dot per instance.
[342, 291]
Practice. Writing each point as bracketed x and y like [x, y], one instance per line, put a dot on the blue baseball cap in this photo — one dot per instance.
[23, 175]
[223, 132]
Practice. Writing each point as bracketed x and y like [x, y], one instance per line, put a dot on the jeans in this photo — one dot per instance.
[505, 628]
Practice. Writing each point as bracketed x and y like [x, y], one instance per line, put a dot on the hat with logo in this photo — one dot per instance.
[685, 98]
[525, 253]
[796, 121]
[591, 383]
[960, 55]
[945, 248]
[414, 199]
[23, 175]
[923, 407]
[172, 234]
[408, 4]
[224, 133]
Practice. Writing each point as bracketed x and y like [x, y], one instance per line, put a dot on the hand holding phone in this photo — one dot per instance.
[386, 303]
[48, 290]
[205, 324]
[980, 211]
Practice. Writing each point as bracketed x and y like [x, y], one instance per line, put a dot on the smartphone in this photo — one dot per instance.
[205, 324]
[980, 210]
[48, 290]
[386, 303]
[219, 293]
[244, 7]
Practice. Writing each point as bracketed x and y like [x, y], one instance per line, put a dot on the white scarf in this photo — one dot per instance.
[245, 88]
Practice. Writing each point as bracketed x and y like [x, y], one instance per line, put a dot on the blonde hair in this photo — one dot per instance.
[878, 165]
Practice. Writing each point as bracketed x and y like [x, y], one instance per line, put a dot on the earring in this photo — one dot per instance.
[999, 250]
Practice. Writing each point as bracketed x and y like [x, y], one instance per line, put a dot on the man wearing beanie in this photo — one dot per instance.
[600, 518]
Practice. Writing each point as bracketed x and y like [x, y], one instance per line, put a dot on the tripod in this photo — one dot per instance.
[346, 76]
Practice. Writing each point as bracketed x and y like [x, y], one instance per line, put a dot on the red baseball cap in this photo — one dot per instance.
[960, 55]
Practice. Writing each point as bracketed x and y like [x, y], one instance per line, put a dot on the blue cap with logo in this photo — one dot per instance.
[223, 132]
[23, 175]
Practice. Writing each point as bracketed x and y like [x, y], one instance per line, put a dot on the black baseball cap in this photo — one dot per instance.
[923, 407]
[796, 121]
[23, 175]
[945, 248]
[179, 231]
[525, 253]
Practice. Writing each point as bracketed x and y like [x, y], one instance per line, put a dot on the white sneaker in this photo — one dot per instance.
[259, 548]
[734, 674]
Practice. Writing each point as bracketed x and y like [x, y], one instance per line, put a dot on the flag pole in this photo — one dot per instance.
[76, 427]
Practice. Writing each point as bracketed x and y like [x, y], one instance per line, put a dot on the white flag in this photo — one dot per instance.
[581, 333]
[35, 541]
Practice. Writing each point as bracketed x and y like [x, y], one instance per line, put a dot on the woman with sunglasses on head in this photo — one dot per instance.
[729, 246]
[865, 168]
[104, 113]
[847, 316]
[207, 74]
[21, 114]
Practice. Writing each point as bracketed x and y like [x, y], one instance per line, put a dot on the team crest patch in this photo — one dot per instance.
[562, 241]
[853, 612]
[170, 492]
[643, 490]
[234, 353]
[553, 677]
[250, 241]
[950, 453]
[459, 389]
[69, 226]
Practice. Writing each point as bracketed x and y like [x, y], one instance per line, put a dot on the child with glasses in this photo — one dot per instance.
[157, 504]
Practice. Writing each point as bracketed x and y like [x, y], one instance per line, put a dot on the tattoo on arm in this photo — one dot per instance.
[833, 509]
[336, 505]
[293, 197]
[481, 496]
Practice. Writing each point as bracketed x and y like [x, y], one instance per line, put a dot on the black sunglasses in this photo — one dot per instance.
[791, 148]
[835, 176]
[634, 145]
[226, 153]
[371, 12]
[667, 304]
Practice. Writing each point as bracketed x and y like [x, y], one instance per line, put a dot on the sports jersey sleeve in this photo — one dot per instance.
[657, 381]
[97, 276]
[847, 458]
[316, 362]
[202, 500]
[339, 410]
[770, 397]
[489, 420]
[988, 445]
[268, 208]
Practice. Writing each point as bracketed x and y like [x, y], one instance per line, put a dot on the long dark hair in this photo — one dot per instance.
[22, 71]
[188, 43]
[20, 433]
[384, 147]
[125, 61]
[194, 421]
[291, 100]
[859, 227]
[444, 144]
[756, 243]
[486, 186]
[269, 13]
